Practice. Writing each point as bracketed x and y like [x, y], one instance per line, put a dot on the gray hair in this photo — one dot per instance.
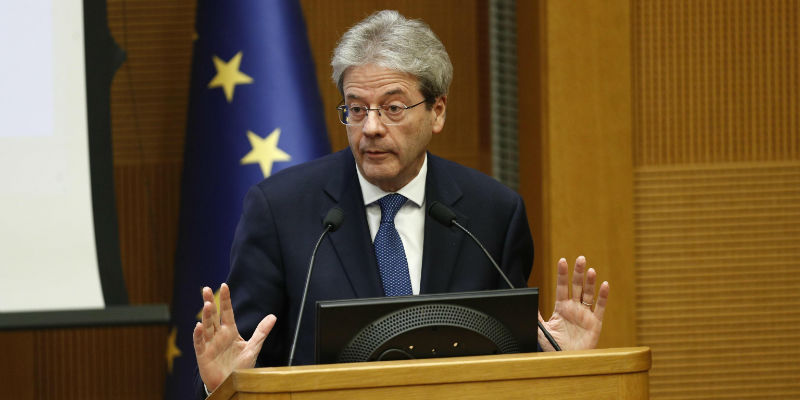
[390, 40]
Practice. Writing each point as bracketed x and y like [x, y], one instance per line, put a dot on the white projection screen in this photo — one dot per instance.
[59, 247]
[48, 259]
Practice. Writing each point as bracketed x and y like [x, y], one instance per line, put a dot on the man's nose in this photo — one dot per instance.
[373, 124]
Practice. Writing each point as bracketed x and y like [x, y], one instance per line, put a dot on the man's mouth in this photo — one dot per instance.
[376, 152]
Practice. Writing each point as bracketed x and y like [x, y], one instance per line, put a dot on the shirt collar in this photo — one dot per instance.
[414, 191]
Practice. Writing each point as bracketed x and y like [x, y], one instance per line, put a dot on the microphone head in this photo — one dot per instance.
[441, 213]
[333, 219]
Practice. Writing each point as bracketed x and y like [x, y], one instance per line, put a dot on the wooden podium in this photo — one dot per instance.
[591, 374]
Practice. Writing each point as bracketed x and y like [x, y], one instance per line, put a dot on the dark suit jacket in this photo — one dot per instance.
[282, 221]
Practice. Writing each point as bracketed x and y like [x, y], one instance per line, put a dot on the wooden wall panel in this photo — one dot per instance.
[717, 196]
[150, 92]
[147, 208]
[717, 249]
[711, 167]
[717, 81]
[100, 363]
[531, 81]
[18, 369]
[575, 147]
[149, 100]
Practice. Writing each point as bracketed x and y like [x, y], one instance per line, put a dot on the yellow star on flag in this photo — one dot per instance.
[265, 151]
[216, 303]
[172, 348]
[228, 75]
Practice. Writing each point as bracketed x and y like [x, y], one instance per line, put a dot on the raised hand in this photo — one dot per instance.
[574, 325]
[217, 344]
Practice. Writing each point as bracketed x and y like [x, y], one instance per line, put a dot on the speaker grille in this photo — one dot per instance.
[373, 336]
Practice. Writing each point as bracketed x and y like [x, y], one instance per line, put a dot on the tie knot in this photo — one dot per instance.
[390, 204]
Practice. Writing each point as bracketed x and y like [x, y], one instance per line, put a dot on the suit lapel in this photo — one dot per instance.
[442, 244]
[352, 242]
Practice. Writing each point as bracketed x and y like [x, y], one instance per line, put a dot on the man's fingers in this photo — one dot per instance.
[208, 295]
[262, 330]
[602, 299]
[562, 284]
[587, 296]
[577, 278]
[225, 306]
[209, 319]
[197, 338]
[213, 319]
[208, 323]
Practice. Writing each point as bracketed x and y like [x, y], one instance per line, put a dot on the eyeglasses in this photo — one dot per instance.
[390, 114]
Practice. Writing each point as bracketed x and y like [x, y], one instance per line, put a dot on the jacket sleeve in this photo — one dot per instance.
[257, 278]
[517, 259]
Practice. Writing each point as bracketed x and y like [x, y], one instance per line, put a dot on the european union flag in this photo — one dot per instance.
[254, 109]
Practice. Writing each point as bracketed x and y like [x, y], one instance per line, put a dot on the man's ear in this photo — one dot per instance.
[439, 111]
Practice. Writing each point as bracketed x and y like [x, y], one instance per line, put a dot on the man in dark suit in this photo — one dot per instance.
[393, 74]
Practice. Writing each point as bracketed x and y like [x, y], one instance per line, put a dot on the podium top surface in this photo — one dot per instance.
[436, 371]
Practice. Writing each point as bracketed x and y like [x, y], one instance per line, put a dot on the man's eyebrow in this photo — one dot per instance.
[391, 92]
[394, 91]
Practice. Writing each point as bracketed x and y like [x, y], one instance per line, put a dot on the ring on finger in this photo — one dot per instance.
[586, 304]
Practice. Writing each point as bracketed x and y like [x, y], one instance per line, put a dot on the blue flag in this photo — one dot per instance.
[254, 109]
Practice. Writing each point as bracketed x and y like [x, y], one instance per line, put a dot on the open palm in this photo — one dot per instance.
[217, 344]
[574, 325]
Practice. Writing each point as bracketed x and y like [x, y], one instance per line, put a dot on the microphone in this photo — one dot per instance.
[447, 217]
[333, 220]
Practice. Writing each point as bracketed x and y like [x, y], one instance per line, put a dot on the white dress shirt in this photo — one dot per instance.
[409, 221]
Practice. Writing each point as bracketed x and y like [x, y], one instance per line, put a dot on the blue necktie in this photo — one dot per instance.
[389, 249]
